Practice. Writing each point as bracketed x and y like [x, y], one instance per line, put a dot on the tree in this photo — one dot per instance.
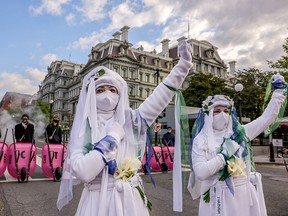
[254, 82]
[201, 86]
[282, 66]
[43, 107]
[282, 63]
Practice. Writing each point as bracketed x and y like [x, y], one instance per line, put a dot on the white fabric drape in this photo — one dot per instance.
[88, 167]
[248, 198]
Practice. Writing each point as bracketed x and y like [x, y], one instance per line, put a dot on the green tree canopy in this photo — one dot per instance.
[202, 85]
[254, 82]
[43, 107]
[282, 63]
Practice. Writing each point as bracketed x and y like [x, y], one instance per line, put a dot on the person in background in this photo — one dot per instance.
[53, 132]
[168, 138]
[24, 131]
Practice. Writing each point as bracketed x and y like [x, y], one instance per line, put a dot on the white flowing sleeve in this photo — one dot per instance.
[161, 96]
[202, 167]
[254, 128]
[86, 167]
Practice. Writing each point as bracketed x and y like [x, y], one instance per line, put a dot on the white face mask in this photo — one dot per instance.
[107, 101]
[220, 121]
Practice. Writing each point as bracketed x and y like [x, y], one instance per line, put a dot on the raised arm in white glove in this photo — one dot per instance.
[185, 51]
[257, 126]
[161, 96]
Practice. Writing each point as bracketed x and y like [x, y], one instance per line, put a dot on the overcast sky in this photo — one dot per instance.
[36, 32]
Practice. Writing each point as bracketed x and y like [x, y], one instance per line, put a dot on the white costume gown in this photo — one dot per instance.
[248, 197]
[121, 198]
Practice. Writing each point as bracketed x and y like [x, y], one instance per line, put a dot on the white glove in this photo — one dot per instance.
[278, 82]
[229, 148]
[116, 131]
[108, 147]
[185, 51]
[276, 77]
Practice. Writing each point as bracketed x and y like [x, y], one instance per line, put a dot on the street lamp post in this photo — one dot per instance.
[51, 104]
[238, 88]
[157, 74]
[271, 148]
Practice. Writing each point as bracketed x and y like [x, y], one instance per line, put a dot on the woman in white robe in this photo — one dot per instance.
[219, 140]
[107, 131]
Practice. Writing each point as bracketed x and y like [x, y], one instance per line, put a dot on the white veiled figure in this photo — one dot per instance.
[209, 158]
[103, 194]
[86, 130]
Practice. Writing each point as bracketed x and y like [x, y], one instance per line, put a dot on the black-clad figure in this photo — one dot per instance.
[24, 131]
[168, 138]
[53, 131]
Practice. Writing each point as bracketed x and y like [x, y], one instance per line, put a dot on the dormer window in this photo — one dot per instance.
[210, 53]
[143, 59]
[156, 62]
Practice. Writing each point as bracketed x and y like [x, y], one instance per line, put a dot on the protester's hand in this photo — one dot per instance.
[278, 77]
[229, 148]
[278, 82]
[116, 131]
[108, 147]
[185, 51]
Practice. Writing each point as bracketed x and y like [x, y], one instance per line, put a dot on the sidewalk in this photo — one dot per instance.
[265, 159]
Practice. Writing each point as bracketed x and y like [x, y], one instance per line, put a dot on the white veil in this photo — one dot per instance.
[85, 126]
[206, 137]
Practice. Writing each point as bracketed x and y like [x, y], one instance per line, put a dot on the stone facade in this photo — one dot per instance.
[57, 87]
[61, 86]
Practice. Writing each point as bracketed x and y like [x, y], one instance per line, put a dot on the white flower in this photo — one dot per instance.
[232, 168]
[127, 168]
[236, 167]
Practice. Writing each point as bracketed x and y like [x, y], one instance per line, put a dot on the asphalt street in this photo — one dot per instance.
[38, 196]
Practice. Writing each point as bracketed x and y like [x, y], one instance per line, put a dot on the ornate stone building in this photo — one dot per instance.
[56, 87]
[141, 69]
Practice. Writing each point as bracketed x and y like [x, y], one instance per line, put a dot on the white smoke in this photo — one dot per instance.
[8, 121]
[40, 122]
